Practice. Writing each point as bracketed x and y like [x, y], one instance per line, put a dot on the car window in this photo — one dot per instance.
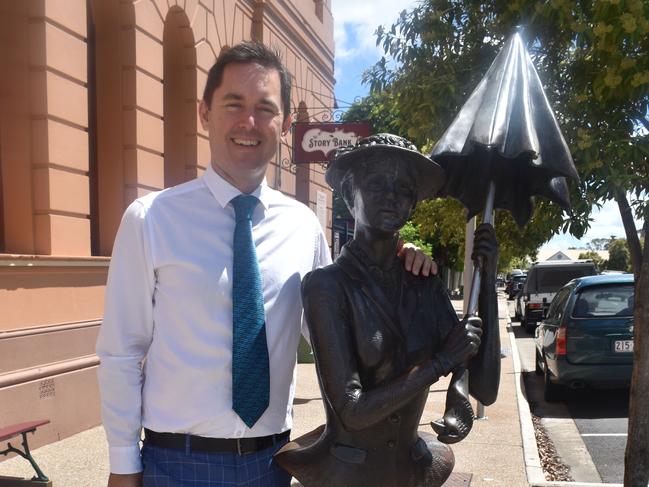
[551, 279]
[558, 304]
[605, 301]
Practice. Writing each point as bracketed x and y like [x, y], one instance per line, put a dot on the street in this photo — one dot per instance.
[588, 429]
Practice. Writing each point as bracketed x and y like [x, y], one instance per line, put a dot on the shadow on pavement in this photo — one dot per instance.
[578, 404]
[518, 330]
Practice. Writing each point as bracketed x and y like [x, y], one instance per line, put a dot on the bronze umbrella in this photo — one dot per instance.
[507, 134]
[503, 148]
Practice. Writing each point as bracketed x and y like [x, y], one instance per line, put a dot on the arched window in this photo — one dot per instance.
[16, 123]
[110, 91]
[180, 99]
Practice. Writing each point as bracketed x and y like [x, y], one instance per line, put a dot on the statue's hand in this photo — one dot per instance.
[485, 247]
[463, 342]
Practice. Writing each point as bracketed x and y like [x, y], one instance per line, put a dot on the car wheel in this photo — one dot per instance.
[538, 369]
[551, 392]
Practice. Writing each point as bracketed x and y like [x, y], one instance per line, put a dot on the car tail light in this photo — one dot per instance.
[535, 305]
[562, 341]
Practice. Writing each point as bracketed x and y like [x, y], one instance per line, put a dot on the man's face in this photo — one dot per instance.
[384, 195]
[245, 122]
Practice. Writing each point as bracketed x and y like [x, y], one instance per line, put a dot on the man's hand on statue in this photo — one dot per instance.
[485, 246]
[463, 341]
[415, 261]
[125, 480]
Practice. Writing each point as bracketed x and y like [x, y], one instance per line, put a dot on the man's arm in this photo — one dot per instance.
[124, 339]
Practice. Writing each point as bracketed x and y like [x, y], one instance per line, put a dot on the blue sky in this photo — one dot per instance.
[354, 24]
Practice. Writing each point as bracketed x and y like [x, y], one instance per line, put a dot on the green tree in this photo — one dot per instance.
[599, 261]
[410, 233]
[598, 244]
[593, 57]
[518, 263]
[379, 110]
[618, 255]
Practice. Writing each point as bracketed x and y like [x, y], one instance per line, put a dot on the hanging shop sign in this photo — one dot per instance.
[316, 142]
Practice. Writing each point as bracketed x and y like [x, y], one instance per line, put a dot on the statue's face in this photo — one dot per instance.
[384, 194]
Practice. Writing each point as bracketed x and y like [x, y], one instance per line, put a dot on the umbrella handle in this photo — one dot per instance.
[488, 217]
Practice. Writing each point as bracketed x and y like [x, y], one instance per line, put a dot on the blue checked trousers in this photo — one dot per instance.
[164, 467]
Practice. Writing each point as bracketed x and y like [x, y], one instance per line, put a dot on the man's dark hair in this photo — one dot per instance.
[249, 52]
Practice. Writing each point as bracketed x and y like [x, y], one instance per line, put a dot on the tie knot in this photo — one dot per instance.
[244, 205]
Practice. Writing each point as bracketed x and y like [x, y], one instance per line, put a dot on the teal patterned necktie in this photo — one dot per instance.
[250, 376]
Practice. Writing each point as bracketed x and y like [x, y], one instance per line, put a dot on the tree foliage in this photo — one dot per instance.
[618, 256]
[599, 261]
[598, 244]
[410, 233]
[379, 110]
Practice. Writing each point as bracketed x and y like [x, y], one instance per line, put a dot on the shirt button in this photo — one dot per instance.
[394, 418]
[391, 443]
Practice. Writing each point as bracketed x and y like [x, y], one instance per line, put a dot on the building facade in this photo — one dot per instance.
[98, 106]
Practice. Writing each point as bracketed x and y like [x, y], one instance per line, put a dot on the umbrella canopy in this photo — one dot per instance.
[506, 133]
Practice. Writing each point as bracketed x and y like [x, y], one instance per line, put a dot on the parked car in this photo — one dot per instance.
[515, 285]
[543, 281]
[586, 340]
[500, 280]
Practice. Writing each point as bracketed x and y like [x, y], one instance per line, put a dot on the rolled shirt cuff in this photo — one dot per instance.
[125, 459]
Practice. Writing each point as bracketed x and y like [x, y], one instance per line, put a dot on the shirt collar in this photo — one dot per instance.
[223, 191]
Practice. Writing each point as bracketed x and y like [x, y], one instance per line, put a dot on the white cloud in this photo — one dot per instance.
[362, 18]
[606, 222]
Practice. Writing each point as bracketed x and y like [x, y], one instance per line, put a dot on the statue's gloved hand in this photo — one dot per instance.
[462, 343]
[485, 248]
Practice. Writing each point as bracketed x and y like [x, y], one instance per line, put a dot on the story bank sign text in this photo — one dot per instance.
[316, 142]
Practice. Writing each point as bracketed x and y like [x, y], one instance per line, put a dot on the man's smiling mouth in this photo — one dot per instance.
[246, 142]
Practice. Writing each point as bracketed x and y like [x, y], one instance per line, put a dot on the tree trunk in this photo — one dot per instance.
[636, 458]
[632, 239]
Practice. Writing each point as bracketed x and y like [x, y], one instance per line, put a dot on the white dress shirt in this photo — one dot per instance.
[166, 340]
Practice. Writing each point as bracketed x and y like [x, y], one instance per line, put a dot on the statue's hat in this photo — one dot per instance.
[429, 175]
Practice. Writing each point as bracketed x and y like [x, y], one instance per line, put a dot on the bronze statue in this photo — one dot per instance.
[381, 336]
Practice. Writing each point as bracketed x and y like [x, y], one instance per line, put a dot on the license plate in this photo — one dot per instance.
[623, 346]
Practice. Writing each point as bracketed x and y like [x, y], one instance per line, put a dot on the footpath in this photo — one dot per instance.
[500, 451]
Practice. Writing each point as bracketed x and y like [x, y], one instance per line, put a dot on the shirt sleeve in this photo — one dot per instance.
[321, 258]
[124, 339]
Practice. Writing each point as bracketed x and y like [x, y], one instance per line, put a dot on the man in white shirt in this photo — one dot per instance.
[166, 340]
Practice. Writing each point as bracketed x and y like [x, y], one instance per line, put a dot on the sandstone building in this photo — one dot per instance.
[98, 106]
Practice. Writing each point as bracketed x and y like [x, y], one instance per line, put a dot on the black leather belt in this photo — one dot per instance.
[241, 446]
